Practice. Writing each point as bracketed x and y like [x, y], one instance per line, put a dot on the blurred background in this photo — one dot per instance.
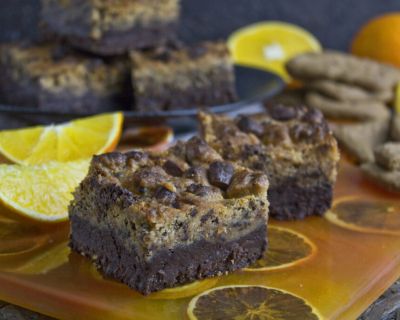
[333, 22]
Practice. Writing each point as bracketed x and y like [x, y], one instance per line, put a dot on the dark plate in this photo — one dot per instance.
[252, 85]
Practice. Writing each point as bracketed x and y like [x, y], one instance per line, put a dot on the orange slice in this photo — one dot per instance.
[286, 248]
[41, 192]
[75, 140]
[249, 303]
[148, 138]
[377, 217]
[269, 45]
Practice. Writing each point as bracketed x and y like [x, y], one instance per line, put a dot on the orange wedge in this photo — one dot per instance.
[41, 192]
[75, 140]
[269, 45]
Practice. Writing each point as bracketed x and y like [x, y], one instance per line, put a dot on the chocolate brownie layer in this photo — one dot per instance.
[143, 209]
[168, 267]
[170, 99]
[115, 43]
[292, 145]
[290, 200]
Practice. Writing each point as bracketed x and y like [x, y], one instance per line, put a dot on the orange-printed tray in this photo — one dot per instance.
[345, 270]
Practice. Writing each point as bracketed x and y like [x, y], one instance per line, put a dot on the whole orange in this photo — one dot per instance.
[379, 39]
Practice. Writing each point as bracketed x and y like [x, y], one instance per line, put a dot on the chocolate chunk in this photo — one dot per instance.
[246, 183]
[282, 113]
[165, 195]
[301, 132]
[198, 150]
[172, 169]
[150, 177]
[220, 174]
[313, 116]
[250, 126]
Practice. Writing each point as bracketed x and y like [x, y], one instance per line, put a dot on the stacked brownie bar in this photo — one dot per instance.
[176, 78]
[123, 54]
[200, 209]
[292, 145]
[155, 221]
[111, 27]
[54, 78]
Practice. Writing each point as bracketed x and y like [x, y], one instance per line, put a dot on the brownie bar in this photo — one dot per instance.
[112, 27]
[292, 145]
[181, 78]
[154, 221]
[53, 78]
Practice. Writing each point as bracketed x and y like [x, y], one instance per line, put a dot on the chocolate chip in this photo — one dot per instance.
[172, 169]
[198, 149]
[220, 174]
[250, 126]
[301, 132]
[282, 113]
[313, 116]
[165, 195]
[247, 183]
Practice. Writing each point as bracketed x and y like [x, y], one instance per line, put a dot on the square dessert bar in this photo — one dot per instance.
[50, 77]
[292, 145]
[154, 221]
[181, 78]
[111, 27]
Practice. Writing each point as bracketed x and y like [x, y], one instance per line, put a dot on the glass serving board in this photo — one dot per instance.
[348, 268]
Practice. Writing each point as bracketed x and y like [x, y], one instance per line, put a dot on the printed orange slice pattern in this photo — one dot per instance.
[249, 303]
[286, 248]
[378, 217]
